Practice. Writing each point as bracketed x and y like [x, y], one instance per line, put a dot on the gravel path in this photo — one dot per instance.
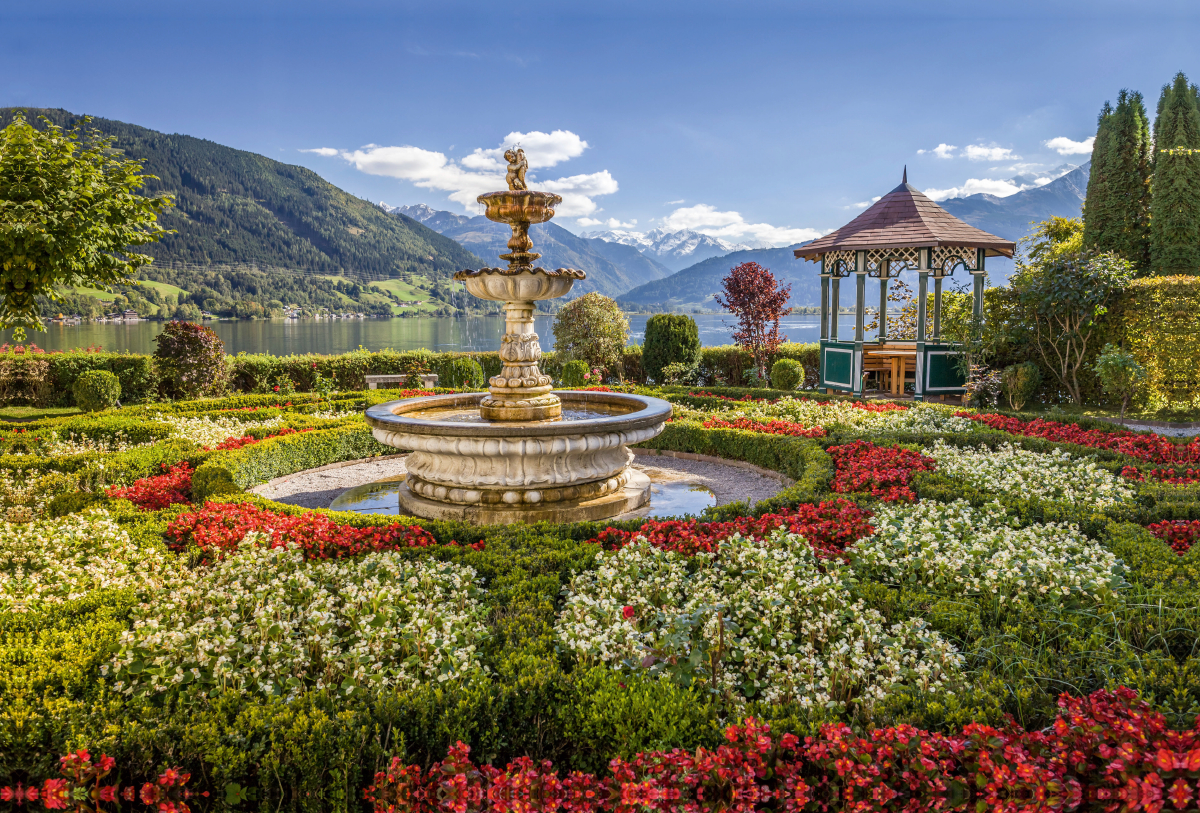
[1164, 431]
[317, 489]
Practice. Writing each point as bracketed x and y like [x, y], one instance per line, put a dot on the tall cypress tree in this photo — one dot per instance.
[1097, 206]
[1129, 182]
[1175, 208]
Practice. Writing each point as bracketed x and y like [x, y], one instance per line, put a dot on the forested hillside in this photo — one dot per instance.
[236, 207]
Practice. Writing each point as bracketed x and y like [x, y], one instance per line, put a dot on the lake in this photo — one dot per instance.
[282, 337]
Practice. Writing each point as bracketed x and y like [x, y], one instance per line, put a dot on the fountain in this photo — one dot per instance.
[521, 452]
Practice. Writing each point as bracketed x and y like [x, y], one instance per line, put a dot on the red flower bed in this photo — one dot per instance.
[157, 492]
[218, 527]
[830, 528]
[81, 780]
[1172, 462]
[885, 471]
[773, 427]
[1180, 535]
[1107, 752]
[249, 440]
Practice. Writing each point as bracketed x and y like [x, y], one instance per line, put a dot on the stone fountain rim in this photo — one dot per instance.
[572, 273]
[536, 194]
[383, 416]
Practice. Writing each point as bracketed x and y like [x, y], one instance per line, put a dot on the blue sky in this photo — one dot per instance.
[761, 121]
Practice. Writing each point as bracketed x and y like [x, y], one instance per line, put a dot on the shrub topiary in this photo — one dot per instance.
[670, 338]
[96, 390]
[461, 373]
[1020, 382]
[190, 360]
[573, 373]
[787, 374]
[592, 329]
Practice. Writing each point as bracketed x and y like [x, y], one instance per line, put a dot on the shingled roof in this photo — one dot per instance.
[902, 218]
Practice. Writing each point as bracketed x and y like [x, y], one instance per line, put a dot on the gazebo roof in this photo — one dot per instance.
[905, 218]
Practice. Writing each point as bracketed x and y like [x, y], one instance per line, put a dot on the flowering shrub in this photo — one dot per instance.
[56, 446]
[1170, 476]
[207, 432]
[1180, 535]
[956, 549]
[1048, 476]
[773, 427]
[885, 471]
[218, 528]
[829, 528]
[250, 440]
[755, 619]
[157, 492]
[57, 560]
[1150, 448]
[267, 621]
[1106, 752]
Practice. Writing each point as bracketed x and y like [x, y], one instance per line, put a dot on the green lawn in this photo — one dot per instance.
[26, 413]
[95, 293]
[406, 291]
[163, 287]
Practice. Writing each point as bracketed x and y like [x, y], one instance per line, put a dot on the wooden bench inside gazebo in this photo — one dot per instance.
[903, 230]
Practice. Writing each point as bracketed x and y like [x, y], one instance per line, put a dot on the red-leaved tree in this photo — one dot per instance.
[753, 295]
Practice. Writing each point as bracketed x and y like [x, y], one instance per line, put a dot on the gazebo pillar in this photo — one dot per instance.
[978, 274]
[860, 313]
[937, 305]
[835, 305]
[824, 301]
[883, 298]
[922, 305]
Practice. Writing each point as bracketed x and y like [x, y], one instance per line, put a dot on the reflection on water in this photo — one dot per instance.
[283, 337]
[471, 415]
[666, 499]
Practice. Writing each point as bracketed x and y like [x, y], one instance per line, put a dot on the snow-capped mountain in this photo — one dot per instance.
[1032, 180]
[674, 249]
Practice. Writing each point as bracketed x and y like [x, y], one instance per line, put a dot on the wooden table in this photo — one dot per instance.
[896, 357]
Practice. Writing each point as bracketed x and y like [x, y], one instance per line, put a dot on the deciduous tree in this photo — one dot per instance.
[70, 214]
[753, 295]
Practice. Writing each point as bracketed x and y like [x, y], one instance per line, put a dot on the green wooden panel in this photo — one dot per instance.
[838, 367]
[943, 374]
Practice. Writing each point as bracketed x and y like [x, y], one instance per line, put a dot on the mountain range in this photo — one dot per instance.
[234, 207]
[674, 249]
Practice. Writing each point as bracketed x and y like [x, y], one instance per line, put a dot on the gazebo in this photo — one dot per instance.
[902, 230]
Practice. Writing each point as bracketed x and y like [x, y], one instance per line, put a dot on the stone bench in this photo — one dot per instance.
[373, 381]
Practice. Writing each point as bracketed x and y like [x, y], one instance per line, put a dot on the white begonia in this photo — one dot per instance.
[755, 619]
[919, 417]
[1048, 476]
[959, 550]
[209, 431]
[57, 560]
[56, 445]
[266, 620]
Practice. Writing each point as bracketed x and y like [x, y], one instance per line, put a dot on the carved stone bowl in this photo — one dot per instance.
[520, 205]
[520, 471]
[501, 285]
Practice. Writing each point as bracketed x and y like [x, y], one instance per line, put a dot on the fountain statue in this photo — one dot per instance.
[521, 452]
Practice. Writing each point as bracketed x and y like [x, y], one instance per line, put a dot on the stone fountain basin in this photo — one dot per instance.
[518, 466]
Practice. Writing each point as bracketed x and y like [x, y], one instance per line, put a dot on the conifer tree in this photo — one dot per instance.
[1129, 182]
[1175, 209]
[1097, 206]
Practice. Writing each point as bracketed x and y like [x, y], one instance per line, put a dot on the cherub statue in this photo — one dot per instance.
[516, 168]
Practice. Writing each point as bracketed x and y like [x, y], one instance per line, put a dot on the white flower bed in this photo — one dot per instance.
[756, 619]
[1051, 476]
[957, 549]
[919, 417]
[57, 446]
[57, 560]
[211, 431]
[265, 620]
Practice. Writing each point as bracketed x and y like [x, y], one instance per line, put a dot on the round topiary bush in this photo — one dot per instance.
[671, 338]
[190, 359]
[96, 390]
[592, 329]
[573, 373]
[461, 373]
[787, 374]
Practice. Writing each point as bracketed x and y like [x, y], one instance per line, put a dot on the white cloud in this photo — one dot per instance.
[1065, 146]
[975, 186]
[941, 151]
[732, 226]
[483, 170]
[611, 223]
[676, 202]
[863, 204]
[977, 152]
[328, 152]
